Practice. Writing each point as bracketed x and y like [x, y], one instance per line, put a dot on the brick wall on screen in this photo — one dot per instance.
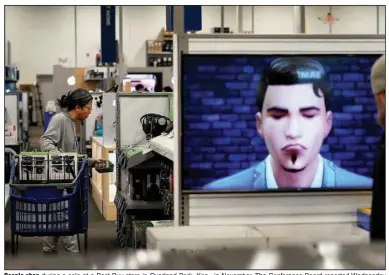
[219, 106]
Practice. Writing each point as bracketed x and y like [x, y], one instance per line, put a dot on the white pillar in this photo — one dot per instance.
[299, 19]
[122, 69]
[179, 46]
[239, 19]
[252, 19]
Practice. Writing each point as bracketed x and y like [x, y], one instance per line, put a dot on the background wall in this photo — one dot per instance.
[42, 36]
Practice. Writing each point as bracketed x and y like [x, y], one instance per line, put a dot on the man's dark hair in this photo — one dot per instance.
[139, 87]
[291, 71]
[78, 97]
[167, 89]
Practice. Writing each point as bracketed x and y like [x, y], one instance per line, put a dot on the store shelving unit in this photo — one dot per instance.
[103, 185]
[11, 77]
[159, 53]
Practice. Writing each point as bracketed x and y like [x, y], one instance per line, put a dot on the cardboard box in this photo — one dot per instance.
[33, 166]
[27, 88]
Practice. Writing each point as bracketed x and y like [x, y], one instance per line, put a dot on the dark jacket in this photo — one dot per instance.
[377, 222]
[254, 178]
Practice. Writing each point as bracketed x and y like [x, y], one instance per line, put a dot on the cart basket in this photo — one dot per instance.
[59, 209]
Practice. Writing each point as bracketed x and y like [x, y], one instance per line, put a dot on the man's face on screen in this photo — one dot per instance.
[294, 123]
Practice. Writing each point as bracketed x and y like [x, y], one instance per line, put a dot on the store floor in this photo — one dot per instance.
[102, 238]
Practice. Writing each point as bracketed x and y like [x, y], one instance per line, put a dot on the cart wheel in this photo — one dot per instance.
[13, 244]
[78, 242]
[86, 242]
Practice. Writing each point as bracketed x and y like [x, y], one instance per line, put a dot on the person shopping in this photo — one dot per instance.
[61, 136]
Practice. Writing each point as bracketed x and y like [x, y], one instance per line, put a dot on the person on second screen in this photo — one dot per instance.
[294, 118]
[378, 213]
[139, 88]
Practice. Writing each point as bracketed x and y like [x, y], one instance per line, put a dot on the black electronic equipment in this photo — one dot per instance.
[219, 30]
[154, 125]
[166, 170]
[92, 74]
[144, 185]
[113, 89]
[104, 166]
[99, 101]
[169, 128]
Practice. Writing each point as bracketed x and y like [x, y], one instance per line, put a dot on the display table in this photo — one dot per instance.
[204, 237]
[103, 184]
[324, 256]
[345, 233]
[139, 238]
[199, 237]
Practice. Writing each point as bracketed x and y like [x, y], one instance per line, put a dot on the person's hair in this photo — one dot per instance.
[167, 89]
[378, 76]
[139, 87]
[292, 71]
[78, 97]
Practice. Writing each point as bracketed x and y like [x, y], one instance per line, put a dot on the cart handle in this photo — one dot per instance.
[84, 168]
[12, 176]
[10, 151]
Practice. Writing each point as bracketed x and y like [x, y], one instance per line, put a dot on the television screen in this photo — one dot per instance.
[145, 82]
[260, 123]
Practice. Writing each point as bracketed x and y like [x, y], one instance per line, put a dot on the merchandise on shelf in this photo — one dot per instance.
[11, 74]
[11, 77]
[159, 53]
[160, 61]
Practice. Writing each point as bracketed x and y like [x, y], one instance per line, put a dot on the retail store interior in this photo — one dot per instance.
[192, 150]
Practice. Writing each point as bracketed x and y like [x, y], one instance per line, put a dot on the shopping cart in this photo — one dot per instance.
[42, 208]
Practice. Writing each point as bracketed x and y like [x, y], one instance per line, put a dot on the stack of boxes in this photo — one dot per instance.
[43, 167]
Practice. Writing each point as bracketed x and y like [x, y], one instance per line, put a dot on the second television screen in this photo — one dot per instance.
[256, 123]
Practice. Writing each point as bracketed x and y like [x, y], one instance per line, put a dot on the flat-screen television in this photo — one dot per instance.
[277, 123]
[151, 82]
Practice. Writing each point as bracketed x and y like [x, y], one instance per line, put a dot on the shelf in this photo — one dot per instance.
[109, 211]
[11, 141]
[97, 196]
[159, 53]
[96, 186]
[94, 79]
[102, 183]
[163, 145]
[100, 141]
[140, 204]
